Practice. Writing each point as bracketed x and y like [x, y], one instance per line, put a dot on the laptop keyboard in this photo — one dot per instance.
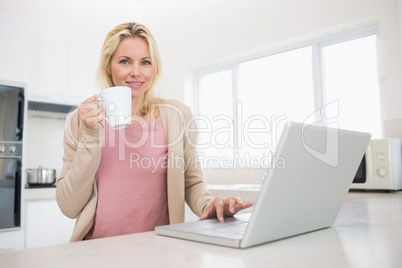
[237, 228]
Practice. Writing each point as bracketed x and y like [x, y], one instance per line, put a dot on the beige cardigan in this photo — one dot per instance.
[76, 191]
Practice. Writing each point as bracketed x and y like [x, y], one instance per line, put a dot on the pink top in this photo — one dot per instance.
[132, 186]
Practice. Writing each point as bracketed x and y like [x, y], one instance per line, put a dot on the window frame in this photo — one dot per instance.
[317, 44]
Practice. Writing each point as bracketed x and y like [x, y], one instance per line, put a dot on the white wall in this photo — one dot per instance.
[44, 143]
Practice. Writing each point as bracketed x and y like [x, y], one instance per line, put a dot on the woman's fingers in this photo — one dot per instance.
[226, 207]
[90, 112]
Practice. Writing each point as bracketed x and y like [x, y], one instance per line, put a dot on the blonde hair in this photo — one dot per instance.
[112, 40]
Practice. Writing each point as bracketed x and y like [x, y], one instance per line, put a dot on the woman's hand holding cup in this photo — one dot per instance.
[113, 104]
[91, 113]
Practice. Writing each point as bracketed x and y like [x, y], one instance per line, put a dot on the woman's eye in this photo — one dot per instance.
[146, 62]
[124, 61]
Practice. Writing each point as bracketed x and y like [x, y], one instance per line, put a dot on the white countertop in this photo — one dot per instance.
[367, 233]
[32, 194]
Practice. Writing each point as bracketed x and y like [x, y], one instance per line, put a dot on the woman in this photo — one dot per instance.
[105, 182]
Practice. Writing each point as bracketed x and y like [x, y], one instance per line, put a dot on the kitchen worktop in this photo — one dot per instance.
[367, 233]
[37, 193]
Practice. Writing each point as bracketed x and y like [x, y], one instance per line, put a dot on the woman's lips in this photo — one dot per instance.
[135, 84]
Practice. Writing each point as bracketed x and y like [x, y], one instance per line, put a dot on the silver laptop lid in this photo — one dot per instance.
[307, 183]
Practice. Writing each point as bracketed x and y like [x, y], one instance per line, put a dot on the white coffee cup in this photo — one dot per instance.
[117, 104]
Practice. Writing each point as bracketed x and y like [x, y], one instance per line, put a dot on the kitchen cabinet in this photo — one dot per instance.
[46, 225]
[15, 48]
[11, 241]
[49, 59]
[63, 68]
[55, 67]
[83, 59]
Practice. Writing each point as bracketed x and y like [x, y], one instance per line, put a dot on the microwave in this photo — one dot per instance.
[380, 168]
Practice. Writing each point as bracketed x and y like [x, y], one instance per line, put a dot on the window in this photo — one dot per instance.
[272, 90]
[351, 77]
[215, 122]
[243, 107]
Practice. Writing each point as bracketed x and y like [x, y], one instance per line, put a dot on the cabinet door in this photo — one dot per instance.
[14, 48]
[11, 240]
[49, 60]
[46, 225]
[83, 59]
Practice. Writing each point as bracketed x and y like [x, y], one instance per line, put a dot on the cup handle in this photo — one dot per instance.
[100, 102]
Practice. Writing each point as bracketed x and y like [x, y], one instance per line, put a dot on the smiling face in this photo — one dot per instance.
[131, 66]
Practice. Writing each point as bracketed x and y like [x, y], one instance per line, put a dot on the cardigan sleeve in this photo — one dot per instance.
[82, 154]
[196, 193]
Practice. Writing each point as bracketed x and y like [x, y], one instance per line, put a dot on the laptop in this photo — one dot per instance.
[303, 190]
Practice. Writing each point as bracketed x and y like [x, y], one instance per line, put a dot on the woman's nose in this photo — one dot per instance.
[135, 71]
